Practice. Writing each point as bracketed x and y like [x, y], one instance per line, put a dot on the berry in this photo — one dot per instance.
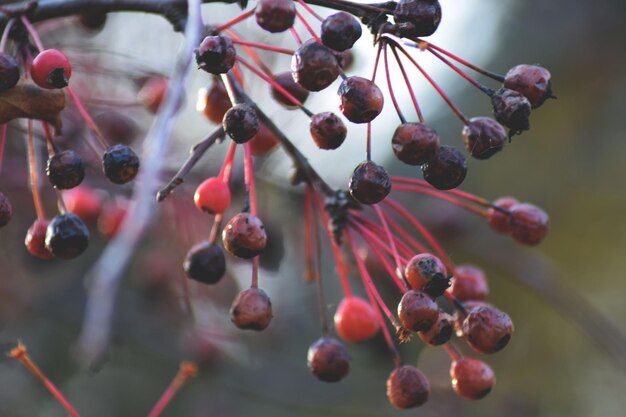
[67, 236]
[51, 69]
[369, 183]
[84, 202]
[205, 263]
[244, 236]
[407, 387]
[111, 218]
[327, 130]
[212, 196]
[36, 240]
[484, 137]
[440, 332]
[328, 360]
[530, 80]
[6, 210]
[65, 170]
[251, 310]
[417, 17]
[447, 169]
[9, 72]
[361, 99]
[355, 320]
[120, 164]
[340, 31]
[426, 272]
[314, 66]
[528, 224]
[94, 21]
[241, 123]
[415, 143]
[511, 109]
[469, 284]
[417, 311]
[263, 142]
[285, 80]
[216, 54]
[498, 220]
[487, 329]
[214, 102]
[152, 92]
[117, 127]
[345, 59]
[471, 378]
[275, 15]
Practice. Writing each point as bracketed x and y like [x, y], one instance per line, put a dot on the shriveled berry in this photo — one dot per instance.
[407, 387]
[251, 310]
[314, 66]
[340, 31]
[427, 273]
[511, 109]
[36, 240]
[417, 311]
[440, 332]
[241, 123]
[471, 378]
[152, 92]
[469, 284]
[285, 80]
[484, 137]
[67, 236]
[447, 169]
[487, 329]
[216, 54]
[355, 320]
[498, 220]
[51, 69]
[533, 81]
[244, 236]
[65, 170]
[205, 263]
[328, 360]
[214, 101]
[9, 71]
[415, 143]
[459, 316]
[361, 99]
[117, 127]
[369, 183]
[263, 142]
[327, 130]
[275, 15]
[212, 196]
[528, 223]
[417, 17]
[83, 201]
[120, 164]
[6, 210]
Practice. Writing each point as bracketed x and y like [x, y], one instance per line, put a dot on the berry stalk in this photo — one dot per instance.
[187, 370]
[32, 167]
[235, 20]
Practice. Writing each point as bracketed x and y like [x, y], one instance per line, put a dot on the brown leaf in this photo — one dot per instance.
[30, 101]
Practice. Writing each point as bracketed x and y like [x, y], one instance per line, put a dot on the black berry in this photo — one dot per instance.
[361, 99]
[67, 236]
[415, 143]
[216, 54]
[511, 109]
[6, 210]
[120, 164]
[327, 130]
[417, 17]
[241, 123]
[314, 66]
[65, 170]
[340, 31]
[9, 72]
[205, 263]
[370, 183]
[447, 169]
[328, 360]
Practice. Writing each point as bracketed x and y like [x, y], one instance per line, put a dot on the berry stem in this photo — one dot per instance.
[390, 84]
[463, 194]
[375, 231]
[394, 250]
[263, 46]
[83, 112]
[456, 69]
[33, 33]
[418, 110]
[3, 137]
[310, 271]
[249, 177]
[310, 10]
[236, 20]
[417, 246]
[32, 167]
[187, 370]
[255, 272]
[251, 53]
[215, 228]
[227, 166]
[308, 27]
[5, 34]
[295, 35]
[51, 145]
[19, 353]
[442, 196]
[452, 351]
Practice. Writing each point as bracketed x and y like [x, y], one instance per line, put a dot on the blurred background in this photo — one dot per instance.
[566, 297]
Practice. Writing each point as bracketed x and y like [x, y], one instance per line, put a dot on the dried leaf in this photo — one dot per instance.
[30, 101]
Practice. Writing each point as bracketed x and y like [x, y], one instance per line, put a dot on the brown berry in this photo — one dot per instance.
[361, 99]
[511, 109]
[6, 210]
[417, 311]
[36, 240]
[487, 329]
[328, 360]
[440, 332]
[532, 81]
[244, 236]
[528, 223]
[417, 17]
[447, 169]
[407, 387]
[275, 15]
[484, 137]
[251, 310]
[285, 80]
[426, 272]
[469, 284]
[415, 143]
[241, 123]
[263, 142]
[216, 54]
[314, 66]
[214, 101]
[369, 183]
[498, 220]
[327, 130]
[471, 378]
[152, 92]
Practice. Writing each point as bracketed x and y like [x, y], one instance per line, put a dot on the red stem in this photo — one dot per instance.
[33, 33]
[32, 165]
[394, 250]
[236, 20]
[83, 112]
[227, 166]
[308, 27]
[375, 230]
[390, 85]
[456, 69]
[263, 46]
[453, 352]
[417, 246]
[310, 10]
[418, 110]
[187, 370]
[442, 196]
[3, 137]
[295, 35]
[463, 194]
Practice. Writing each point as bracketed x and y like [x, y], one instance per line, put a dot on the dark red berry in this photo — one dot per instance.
[415, 143]
[152, 92]
[528, 223]
[205, 263]
[361, 99]
[407, 387]
[484, 137]
[216, 54]
[426, 272]
[6, 210]
[36, 240]
[327, 130]
[440, 332]
[285, 80]
[511, 109]
[340, 31]
[251, 310]
[328, 360]
[447, 169]
[51, 69]
[65, 170]
[417, 311]
[498, 220]
[532, 81]
[9, 71]
[67, 236]
[263, 142]
[369, 183]
[241, 123]
[469, 284]
[471, 378]
[214, 102]
[117, 127]
[111, 217]
[417, 17]
[244, 236]
[314, 66]
[275, 15]
[120, 164]
[345, 59]
[487, 329]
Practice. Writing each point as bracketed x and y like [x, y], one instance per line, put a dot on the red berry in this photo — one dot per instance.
[111, 218]
[214, 102]
[275, 15]
[499, 220]
[532, 81]
[407, 387]
[212, 196]
[244, 236]
[6, 210]
[369, 183]
[469, 284]
[328, 360]
[327, 130]
[471, 378]
[251, 310]
[355, 320]
[36, 240]
[361, 99]
[314, 66]
[51, 69]
[440, 332]
[83, 201]
[152, 92]
[263, 142]
[417, 311]
[487, 329]
[426, 272]
[415, 143]
[528, 224]
[484, 137]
